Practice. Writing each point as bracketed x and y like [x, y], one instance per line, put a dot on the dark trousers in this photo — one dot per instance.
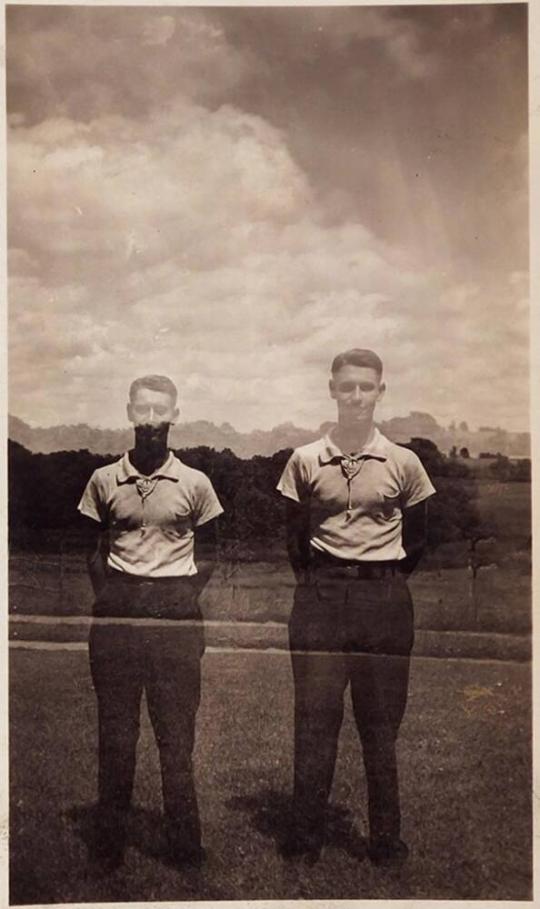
[347, 630]
[138, 654]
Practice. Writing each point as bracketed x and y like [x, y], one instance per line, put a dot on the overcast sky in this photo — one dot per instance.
[232, 196]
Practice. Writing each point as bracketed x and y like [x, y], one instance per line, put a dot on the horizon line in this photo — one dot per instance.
[288, 423]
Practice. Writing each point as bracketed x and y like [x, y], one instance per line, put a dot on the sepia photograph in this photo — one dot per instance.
[269, 453]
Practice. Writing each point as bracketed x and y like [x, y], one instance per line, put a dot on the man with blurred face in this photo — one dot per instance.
[147, 633]
[356, 515]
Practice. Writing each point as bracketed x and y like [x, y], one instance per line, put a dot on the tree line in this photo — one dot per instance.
[44, 490]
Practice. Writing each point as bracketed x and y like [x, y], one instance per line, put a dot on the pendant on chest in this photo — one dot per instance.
[145, 486]
[350, 467]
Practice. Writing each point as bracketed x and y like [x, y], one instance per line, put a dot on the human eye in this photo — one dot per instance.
[346, 387]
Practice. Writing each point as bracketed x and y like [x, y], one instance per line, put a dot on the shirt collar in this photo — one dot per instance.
[375, 448]
[170, 470]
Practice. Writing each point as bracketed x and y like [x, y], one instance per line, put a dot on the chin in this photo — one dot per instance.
[353, 418]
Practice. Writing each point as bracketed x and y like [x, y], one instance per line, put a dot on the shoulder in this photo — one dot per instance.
[99, 490]
[102, 476]
[310, 453]
[402, 457]
[190, 476]
[300, 470]
[412, 476]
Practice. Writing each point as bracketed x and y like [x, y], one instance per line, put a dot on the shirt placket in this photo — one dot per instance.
[351, 467]
[145, 487]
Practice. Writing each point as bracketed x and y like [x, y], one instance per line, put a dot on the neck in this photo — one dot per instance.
[148, 457]
[352, 438]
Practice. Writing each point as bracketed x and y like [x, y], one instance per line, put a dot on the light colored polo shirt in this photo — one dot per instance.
[361, 520]
[151, 520]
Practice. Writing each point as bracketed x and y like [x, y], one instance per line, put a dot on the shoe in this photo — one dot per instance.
[105, 861]
[107, 842]
[184, 859]
[295, 849]
[387, 851]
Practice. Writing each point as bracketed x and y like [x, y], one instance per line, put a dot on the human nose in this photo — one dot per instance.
[154, 417]
[356, 394]
[148, 416]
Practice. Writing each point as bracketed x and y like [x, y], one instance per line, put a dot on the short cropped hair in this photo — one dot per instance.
[357, 356]
[154, 383]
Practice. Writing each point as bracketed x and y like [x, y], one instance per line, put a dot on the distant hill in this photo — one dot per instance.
[492, 439]
[265, 442]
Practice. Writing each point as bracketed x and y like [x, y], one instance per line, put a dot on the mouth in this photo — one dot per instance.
[146, 430]
[356, 414]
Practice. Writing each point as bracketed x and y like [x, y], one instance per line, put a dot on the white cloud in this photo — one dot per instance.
[187, 240]
[231, 274]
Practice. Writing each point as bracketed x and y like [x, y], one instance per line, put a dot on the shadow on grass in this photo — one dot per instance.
[145, 830]
[25, 886]
[271, 814]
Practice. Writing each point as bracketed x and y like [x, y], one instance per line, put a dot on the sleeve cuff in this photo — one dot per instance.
[204, 519]
[88, 513]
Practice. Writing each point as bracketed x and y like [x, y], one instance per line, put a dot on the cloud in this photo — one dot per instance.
[159, 31]
[234, 281]
[143, 261]
[78, 62]
[185, 237]
[365, 32]
[126, 191]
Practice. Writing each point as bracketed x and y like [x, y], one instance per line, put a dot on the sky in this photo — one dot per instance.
[231, 196]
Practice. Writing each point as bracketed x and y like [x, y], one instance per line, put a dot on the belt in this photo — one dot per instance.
[139, 580]
[354, 569]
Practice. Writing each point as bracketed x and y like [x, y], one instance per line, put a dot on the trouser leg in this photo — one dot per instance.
[320, 682]
[379, 684]
[173, 696]
[374, 681]
[117, 674]
[320, 679]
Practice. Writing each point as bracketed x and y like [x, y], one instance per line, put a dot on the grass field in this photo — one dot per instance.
[464, 747]
[497, 600]
[508, 506]
[465, 781]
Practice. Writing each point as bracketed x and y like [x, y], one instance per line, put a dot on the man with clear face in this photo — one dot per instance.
[356, 517]
[147, 632]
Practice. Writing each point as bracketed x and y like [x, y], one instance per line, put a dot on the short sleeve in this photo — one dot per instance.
[292, 483]
[207, 505]
[92, 504]
[417, 486]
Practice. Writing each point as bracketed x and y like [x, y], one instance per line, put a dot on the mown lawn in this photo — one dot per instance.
[508, 506]
[465, 780]
[499, 600]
